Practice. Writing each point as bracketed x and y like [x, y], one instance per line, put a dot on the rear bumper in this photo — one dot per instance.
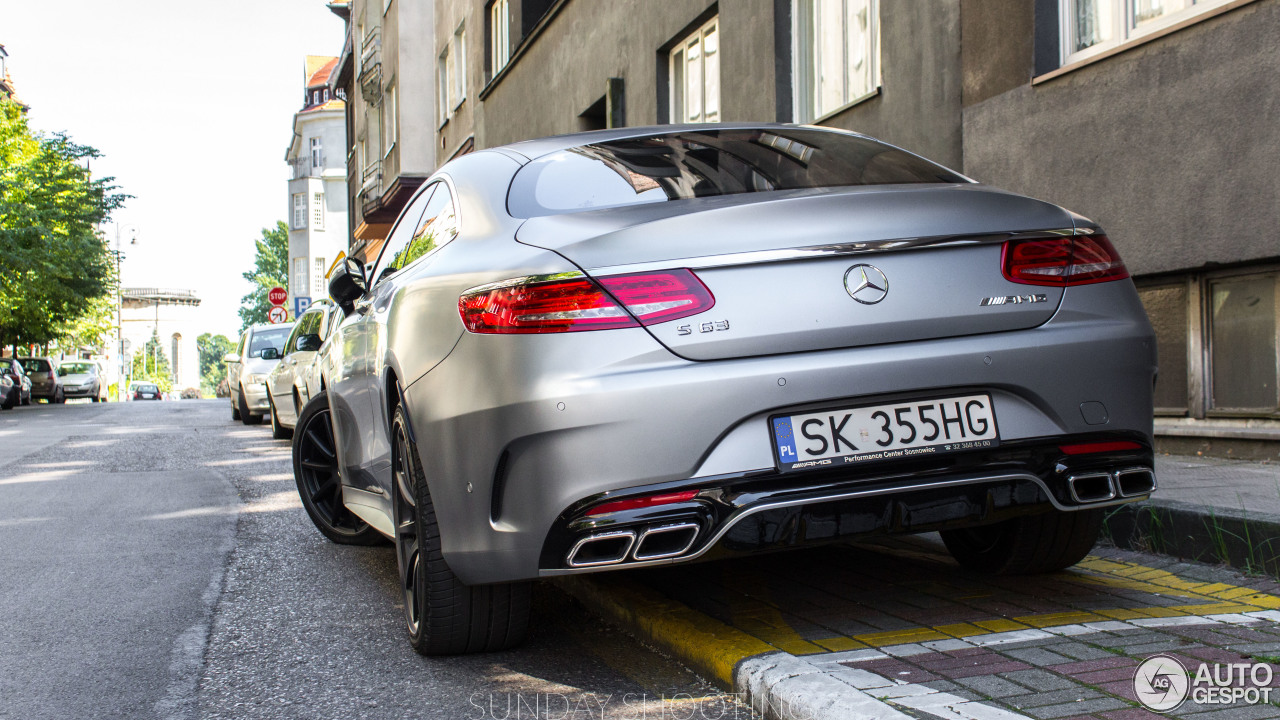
[519, 434]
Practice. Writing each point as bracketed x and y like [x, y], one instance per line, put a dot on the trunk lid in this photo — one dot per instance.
[807, 270]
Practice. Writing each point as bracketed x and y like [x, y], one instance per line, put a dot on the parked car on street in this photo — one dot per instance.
[82, 378]
[6, 392]
[646, 346]
[20, 394]
[45, 384]
[247, 368]
[293, 381]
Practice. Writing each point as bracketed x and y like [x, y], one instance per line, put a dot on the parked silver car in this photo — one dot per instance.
[293, 381]
[82, 378]
[247, 369]
[655, 345]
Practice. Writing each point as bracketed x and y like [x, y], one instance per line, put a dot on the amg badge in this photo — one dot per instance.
[1013, 300]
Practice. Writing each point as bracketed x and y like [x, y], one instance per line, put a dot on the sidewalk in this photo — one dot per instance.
[894, 629]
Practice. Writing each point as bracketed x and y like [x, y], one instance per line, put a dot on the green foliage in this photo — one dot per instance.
[54, 267]
[271, 269]
[150, 365]
[95, 328]
[211, 349]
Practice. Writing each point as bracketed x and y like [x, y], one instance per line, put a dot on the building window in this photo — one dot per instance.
[499, 35]
[299, 276]
[837, 54]
[1167, 308]
[389, 118]
[695, 76]
[318, 289]
[460, 66]
[317, 161]
[1216, 335]
[1242, 343]
[1091, 27]
[317, 211]
[299, 211]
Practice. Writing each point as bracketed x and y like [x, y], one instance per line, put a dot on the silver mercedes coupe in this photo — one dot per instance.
[635, 347]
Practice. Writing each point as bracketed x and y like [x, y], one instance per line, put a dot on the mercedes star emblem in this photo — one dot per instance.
[866, 284]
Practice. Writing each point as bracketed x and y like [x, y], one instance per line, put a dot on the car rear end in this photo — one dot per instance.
[744, 372]
[44, 379]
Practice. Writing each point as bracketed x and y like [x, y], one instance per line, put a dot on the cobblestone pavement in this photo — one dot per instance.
[901, 621]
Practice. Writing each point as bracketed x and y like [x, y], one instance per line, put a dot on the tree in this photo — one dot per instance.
[151, 365]
[211, 349]
[54, 266]
[271, 269]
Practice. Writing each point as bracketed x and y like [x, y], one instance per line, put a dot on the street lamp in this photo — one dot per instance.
[131, 231]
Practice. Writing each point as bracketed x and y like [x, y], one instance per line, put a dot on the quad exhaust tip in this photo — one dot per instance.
[1098, 487]
[609, 548]
[664, 541]
[653, 543]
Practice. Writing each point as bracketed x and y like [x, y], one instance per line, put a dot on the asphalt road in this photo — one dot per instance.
[157, 563]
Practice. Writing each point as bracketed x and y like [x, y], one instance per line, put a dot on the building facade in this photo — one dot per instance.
[386, 76]
[1157, 118]
[317, 208]
[168, 314]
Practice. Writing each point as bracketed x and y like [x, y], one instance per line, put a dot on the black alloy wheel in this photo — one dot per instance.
[315, 468]
[444, 615]
[59, 396]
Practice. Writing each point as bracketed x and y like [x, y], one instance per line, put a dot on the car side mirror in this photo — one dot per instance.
[309, 343]
[347, 283]
[230, 358]
[270, 354]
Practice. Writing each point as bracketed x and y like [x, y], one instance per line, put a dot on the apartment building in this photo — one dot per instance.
[317, 208]
[386, 75]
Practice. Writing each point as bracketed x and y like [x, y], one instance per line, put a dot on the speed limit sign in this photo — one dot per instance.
[277, 315]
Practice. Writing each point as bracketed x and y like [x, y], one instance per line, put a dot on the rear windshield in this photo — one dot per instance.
[35, 365]
[148, 388]
[263, 339]
[706, 163]
[76, 369]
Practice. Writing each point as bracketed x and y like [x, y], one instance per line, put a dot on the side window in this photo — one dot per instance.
[240, 347]
[402, 233]
[438, 226]
[292, 343]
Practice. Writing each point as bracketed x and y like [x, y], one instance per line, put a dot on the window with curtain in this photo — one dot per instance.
[837, 48]
[694, 66]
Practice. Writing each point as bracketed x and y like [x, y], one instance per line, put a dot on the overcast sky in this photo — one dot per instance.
[192, 105]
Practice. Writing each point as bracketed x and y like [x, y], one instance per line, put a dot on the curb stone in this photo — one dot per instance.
[777, 685]
[1217, 535]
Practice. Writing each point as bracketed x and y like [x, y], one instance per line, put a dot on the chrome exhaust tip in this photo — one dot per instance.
[664, 541]
[1135, 481]
[1091, 487]
[609, 548]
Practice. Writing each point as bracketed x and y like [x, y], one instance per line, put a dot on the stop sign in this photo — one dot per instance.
[277, 296]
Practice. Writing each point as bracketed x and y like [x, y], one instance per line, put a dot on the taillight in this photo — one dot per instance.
[1062, 261]
[643, 502]
[580, 303]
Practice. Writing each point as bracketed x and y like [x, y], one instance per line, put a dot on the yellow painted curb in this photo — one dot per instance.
[710, 647]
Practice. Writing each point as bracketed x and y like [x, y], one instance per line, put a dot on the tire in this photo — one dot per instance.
[1026, 545]
[443, 615]
[315, 468]
[278, 431]
[247, 417]
[59, 396]
[235, 412]
[26, 400]
[8, 402]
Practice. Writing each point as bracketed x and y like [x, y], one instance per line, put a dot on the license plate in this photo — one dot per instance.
[834, 438]
[147, 395]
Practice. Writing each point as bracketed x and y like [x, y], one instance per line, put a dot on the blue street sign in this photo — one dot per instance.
[300, 305]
